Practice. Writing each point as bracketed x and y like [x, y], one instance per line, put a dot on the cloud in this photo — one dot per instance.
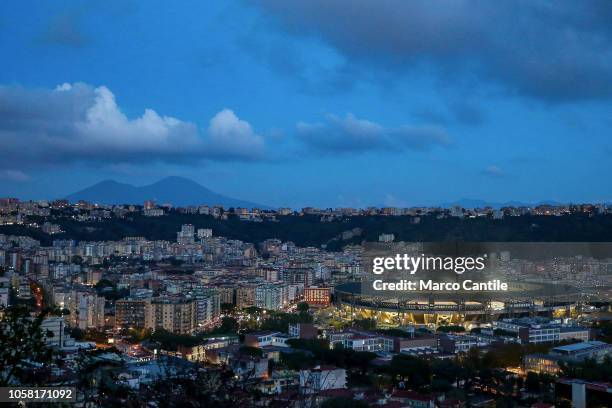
[66, 27]
[458, 112]
[493, 171]
[285, 58]
[65, 30]
[467, 114]
[81, 123]
[349, 134]
[232, 137]
[556, 52]
[14, 175]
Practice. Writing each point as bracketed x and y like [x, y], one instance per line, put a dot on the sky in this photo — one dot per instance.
[310, 102]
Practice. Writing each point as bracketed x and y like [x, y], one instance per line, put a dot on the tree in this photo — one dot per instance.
[104, 283]
[365, 324]
[251, 351]
[227, 308]
[302, 307]
[97, 379]
[472, 359]
[448, 370]
[280, 321]
[563, 403]
[532, 382]
[253, 310]
[604, 329]
[135, 336]
[77, 333]
[588, 369]
[413, 371]
[297, 360]
[360, 360]
[21, 341]
[170, 341]
[228, 325]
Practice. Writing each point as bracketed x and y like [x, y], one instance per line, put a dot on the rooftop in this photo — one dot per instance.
[580, 346]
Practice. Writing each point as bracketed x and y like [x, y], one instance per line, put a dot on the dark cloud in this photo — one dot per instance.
[552, 51]
[65, 29]
[81, 123]
[286, 58]
[467, 114]
[352, 135]
[68, 27]
[459, 112]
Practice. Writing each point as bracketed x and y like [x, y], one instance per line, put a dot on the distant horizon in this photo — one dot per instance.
[463, 202]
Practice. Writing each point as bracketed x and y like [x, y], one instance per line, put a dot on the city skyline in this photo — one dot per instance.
[294, 107]
[279, 308]
[306, 204]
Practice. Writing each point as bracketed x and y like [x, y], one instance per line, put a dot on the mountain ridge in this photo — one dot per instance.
[178, 191]
[182, 191]
[477, 203]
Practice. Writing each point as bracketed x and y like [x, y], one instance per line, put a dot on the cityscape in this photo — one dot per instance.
[208, 320]
[306, 204]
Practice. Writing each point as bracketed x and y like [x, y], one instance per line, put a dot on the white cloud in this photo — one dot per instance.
[351, 134]
[106, 125]
[63, 87]
[229, 135]
[78, 122]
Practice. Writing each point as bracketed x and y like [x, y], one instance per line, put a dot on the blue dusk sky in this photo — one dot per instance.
[310, 102]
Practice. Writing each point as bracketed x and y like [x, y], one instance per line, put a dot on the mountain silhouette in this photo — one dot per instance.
[475, 203]
[178, 191]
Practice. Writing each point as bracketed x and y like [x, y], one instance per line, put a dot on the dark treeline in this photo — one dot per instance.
[310, 231]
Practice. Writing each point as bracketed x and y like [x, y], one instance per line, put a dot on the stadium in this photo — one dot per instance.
[355, 300]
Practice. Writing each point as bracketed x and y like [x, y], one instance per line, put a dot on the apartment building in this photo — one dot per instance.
[131, 313]
[173, 313]
[317, 296]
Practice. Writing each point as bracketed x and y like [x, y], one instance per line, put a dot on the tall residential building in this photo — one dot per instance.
[91, 310]
[227, 294]
[245, 296]
[208, 305]
[271, 296]
[174, 314]
[186, 235]
[131, 313]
